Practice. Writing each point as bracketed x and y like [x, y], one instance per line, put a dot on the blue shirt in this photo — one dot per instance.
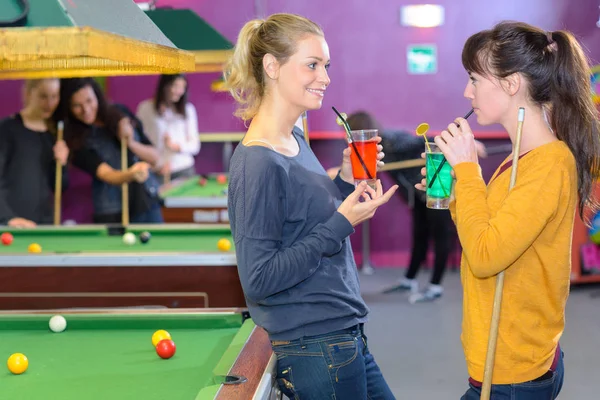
[295, 261]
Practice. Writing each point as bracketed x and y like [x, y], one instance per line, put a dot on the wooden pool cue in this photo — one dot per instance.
[305, 127]
[420, 162]
[125, 185]
[417, 162]
[493, 338]
[167, 177]
[58, 178]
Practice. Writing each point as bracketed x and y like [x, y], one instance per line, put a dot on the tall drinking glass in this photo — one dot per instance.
[363, 155]
[440, 183]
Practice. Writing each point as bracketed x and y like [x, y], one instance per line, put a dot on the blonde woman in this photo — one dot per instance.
[291, 222]
[28, 155]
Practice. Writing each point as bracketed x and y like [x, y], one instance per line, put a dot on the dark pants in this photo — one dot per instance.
[430, 224]
[152, 216]
[336, 365]
[539, 389]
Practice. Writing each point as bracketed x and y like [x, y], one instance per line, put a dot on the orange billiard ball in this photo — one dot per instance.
[34, 248]
[165, 348]
[7, 238]
[17, 363]
[224, 244]
[222, 179]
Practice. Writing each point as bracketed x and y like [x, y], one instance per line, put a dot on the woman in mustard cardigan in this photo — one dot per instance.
[525, 232]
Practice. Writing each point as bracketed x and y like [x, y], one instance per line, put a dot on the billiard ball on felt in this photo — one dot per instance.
[165, 348]
[159, 335]
[222, 179]
[58, 323]
[17, 363]
[145, 237]
[129, 238]
[7, 238]
[224, 244]
[34, 248]
[202, 181]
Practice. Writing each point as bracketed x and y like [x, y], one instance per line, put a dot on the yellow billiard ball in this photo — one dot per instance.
[34, 248]
[17, 363]
[160, 335]
[224, 244]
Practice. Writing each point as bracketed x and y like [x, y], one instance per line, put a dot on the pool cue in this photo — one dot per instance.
[124, 185]
[419, 162]
[167, 178]
[493, 338]
[58, 178]
[305, 127]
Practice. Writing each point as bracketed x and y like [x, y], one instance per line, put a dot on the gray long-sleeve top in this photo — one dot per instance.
[295, 261]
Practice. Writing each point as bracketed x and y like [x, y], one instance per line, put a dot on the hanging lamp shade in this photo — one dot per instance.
[73, 38]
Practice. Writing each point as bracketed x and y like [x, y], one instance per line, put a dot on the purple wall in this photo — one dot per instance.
[368, 46]
[368, 70]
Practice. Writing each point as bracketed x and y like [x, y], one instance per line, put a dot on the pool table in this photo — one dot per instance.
[108, 354]
[90, 266]
[186, 200]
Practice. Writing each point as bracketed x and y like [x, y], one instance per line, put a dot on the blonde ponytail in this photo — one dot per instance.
[241, 79]
[243, 74]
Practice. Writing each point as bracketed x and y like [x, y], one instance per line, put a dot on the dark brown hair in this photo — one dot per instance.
[558, 76]
[75, 130]
[363, 120]
[160, 96]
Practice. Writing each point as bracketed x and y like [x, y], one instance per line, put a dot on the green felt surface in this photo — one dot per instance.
[95, 239]
[177, 23]
[42, 13]
[191, 188]
[110, 356]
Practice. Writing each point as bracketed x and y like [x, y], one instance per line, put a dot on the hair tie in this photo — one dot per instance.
[549, 37]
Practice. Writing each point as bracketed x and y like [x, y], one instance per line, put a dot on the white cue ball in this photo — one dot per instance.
[129, 238]
[58, 323]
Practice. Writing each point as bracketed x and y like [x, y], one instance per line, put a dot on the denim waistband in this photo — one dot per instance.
[355, 330]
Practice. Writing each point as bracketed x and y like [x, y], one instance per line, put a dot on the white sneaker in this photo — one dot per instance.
[432, 293]
[405, 284]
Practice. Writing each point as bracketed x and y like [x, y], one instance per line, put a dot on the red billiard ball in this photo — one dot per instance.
[222, 179]
[7, 238]
[202, 181]
[165, 348]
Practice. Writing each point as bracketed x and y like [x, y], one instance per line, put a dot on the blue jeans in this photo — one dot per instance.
[152, 216]
[547, 389]
[337, 365]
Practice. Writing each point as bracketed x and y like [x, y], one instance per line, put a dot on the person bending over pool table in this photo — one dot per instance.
[93, 129]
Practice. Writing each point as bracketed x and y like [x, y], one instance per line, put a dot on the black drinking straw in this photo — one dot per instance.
[347, 129]
[439, 168]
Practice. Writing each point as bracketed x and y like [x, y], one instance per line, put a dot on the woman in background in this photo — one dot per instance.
[171, 124]
[28, 155]
[94, 129]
